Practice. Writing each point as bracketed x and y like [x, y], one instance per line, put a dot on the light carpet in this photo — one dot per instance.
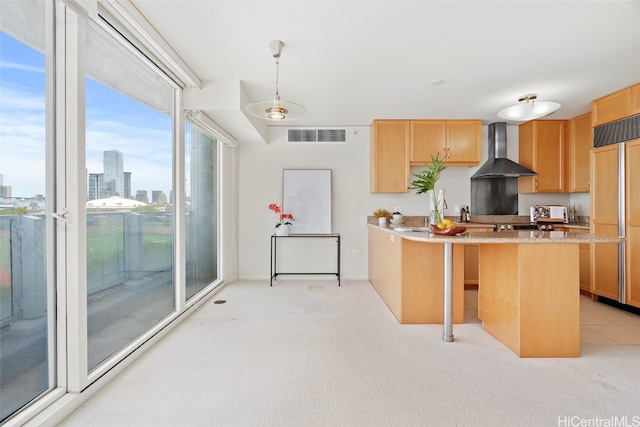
[310, 353]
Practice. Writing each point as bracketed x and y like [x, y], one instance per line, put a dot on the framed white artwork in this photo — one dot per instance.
[307, 196]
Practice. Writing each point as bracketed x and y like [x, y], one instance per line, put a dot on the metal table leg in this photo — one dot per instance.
[447, 333]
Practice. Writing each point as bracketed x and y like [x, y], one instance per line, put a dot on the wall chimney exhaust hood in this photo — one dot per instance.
[498, 165]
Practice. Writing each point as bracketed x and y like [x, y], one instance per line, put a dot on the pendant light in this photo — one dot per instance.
[276, 109]
[528, 109]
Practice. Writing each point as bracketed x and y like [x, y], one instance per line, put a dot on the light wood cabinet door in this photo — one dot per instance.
[604, 220]
[579, 146]
[584, 259]
[390, 156]
[612, 107]
[427, 137]
[635, 100]
[633, 222]
[471, 252]
[471, 264]
[459, 142]
[542, 150]
[585, 267]
[464, 142]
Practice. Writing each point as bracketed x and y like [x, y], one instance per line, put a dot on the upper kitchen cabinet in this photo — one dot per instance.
[459, 142]
[579, 143]
[542, 149]
[616, 106]
[390, 156]
[635, 100]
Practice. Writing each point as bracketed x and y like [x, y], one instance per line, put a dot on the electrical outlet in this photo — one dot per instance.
[355, 251]
[398, 209]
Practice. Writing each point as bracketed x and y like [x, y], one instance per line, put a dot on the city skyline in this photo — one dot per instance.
[113, 121]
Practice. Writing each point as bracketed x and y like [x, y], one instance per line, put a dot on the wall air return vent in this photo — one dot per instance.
[318, 136]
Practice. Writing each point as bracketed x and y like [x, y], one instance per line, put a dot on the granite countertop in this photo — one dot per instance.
[479, 221]
[520, 236]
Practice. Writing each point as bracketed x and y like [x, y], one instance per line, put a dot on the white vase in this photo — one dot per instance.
[382, 221]
[283, 230]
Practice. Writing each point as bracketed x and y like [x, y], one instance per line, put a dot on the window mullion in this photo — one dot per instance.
[71, 135]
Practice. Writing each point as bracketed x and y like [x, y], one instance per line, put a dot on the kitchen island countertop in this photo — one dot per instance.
[421, 234]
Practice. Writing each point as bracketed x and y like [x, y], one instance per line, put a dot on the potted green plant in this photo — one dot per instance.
[426, 183]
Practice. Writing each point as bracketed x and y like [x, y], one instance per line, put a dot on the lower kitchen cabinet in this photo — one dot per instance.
[471, 259]
[471, 265]
[409, 277]
[584, 259]
[585, 268]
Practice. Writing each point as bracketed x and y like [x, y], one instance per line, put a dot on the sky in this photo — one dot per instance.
[113, 121]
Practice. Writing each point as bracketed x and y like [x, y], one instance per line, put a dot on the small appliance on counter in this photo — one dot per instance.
[548, 213]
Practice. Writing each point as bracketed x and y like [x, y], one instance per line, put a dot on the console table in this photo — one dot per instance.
[274, 254]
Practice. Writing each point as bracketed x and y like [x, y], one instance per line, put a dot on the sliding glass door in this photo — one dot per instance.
[130, 215]
[109, 203]
[26, 290]
[201, 191]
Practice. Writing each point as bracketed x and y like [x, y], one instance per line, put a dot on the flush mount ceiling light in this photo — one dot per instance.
[276, 109]
[528, 109]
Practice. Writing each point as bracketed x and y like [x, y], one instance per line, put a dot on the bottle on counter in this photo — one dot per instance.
[463, 215]
[467, 215]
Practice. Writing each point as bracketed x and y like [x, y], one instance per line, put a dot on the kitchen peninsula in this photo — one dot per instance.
[529, 288]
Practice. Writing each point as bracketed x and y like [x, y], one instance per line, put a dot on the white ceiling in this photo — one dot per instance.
[349, 62]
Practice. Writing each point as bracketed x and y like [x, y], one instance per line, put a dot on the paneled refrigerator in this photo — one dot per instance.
[615, 210]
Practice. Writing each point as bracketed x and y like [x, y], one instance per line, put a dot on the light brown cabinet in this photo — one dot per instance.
[616, 106]
[471, 251]
[542, 149]
[459, 142]
[408, 276]
[604, 220]
[585, 259]
[390, 156]
[633, 222]
[635, 100]
[579, 143]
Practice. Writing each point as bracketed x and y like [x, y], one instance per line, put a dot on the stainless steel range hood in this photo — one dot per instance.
[498, 165]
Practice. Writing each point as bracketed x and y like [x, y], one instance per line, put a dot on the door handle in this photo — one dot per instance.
[62, 216]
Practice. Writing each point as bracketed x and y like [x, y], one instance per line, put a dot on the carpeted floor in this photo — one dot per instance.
[310, 353]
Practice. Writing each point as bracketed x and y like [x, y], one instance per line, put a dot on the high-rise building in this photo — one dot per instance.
[95, 186]
[5, 190]
[127, 185]
[141, 196]
[158, 197]
[113, 164]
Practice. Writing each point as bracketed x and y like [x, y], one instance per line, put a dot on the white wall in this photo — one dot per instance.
[260, 183]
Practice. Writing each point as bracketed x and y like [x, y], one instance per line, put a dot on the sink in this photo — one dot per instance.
[412, 229]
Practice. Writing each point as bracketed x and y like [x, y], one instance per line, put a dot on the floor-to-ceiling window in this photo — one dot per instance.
[95, 140]
[130, 215]
[201, 190]
[26, 293]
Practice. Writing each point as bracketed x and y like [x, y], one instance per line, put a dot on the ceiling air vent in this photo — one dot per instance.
[335, 136]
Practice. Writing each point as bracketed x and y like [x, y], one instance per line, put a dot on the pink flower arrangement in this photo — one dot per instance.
[285, 218]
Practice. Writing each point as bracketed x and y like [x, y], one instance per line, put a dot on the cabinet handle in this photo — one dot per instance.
[535, 184]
